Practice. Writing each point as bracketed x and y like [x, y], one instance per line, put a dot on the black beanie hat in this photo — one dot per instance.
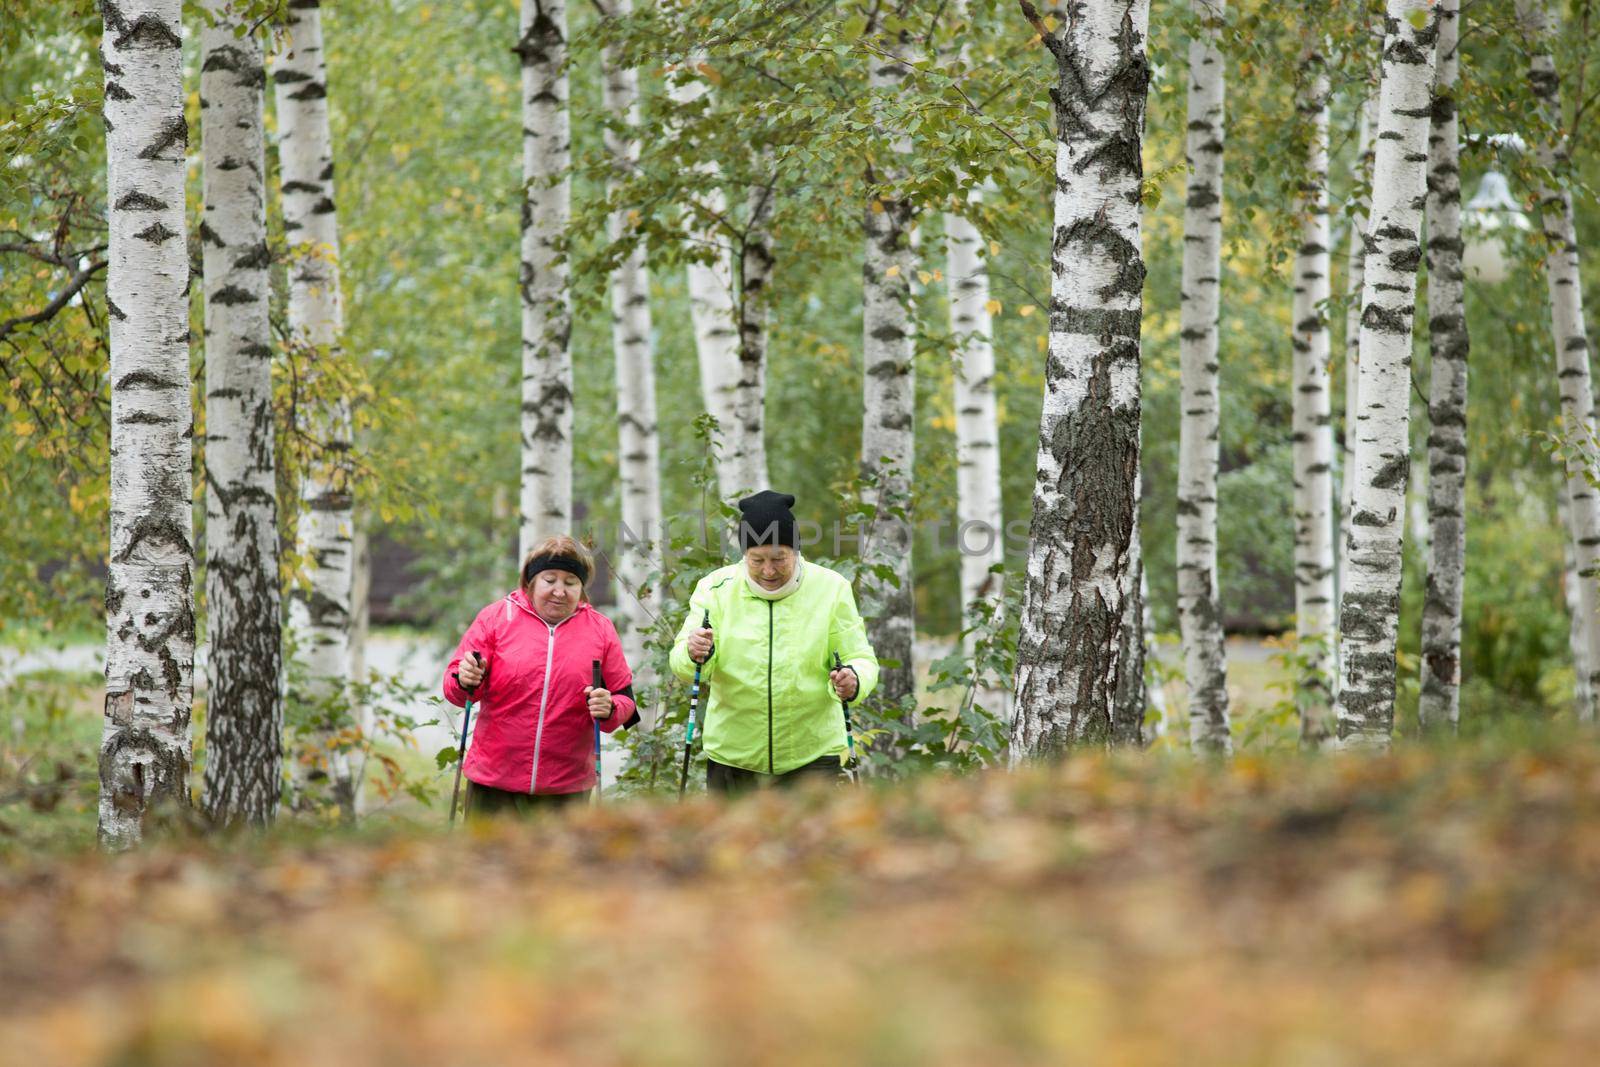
[765, 519]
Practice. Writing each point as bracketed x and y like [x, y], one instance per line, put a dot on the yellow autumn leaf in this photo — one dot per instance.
[892, 272]
[924, 277]
[994, 248]
[1025, 310]
[992, 307]
[23, 429]
[877, 207]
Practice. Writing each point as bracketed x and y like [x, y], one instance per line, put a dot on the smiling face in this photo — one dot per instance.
[555, 595]
[771, 565]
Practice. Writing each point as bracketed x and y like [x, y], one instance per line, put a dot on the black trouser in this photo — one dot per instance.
[721, 778]
[487, 800]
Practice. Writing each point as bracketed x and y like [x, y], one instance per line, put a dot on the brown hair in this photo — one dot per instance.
[558, 546]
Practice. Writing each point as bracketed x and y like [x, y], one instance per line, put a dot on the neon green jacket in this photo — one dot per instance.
[772, 708]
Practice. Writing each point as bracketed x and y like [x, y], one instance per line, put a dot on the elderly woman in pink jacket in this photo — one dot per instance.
[528, 663]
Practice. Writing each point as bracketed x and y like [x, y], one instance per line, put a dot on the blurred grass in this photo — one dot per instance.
[49, 738]
[1435, 906]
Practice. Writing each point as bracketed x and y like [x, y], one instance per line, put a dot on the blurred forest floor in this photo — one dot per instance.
[1435, 906]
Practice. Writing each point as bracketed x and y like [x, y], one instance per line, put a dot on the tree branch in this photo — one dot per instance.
[1035, 20]
[61, 300]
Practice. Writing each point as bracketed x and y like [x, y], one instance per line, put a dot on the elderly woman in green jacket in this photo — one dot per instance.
[768, 655]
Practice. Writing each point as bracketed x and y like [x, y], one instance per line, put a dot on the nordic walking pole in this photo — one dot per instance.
[461, 749]
[694, 713]
[599, 787]
[849, 731]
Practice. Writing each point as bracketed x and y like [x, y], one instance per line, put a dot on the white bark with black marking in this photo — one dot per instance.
[1370, 612]
[746, 438]
[1571, 335]
[1354, 273]
[244, 709]
[1127, 717]
[1582, 692]
[1085, 492]
[547, 408]
[712, 308]
[980, 524]
[1447, 395]
[980, 530]
[1313, 416]
[144, 747]
[888, 431]
[1199, 442]
[319, 611]
[639, 454]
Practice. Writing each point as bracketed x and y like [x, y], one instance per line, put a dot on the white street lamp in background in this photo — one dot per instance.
[1491, 219]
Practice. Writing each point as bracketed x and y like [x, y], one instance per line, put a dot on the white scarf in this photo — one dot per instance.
[783, 590]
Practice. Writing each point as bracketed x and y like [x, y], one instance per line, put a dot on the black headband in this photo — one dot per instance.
[555, 563]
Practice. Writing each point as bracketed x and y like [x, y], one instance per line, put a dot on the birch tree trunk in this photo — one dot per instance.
[980, 521]
[547, 412]
[1447, 395]
[747, 451]
[980, 530]
[1155, 696]
[1199, 612]
[888, 441]
[1582, 691]
[144, 747]
[716, 339]
[244, 710]
[1069, 649]
[1571, 336]
[1354, 276]
[1127, 719]
[361, 714]
[1313, 418]
[712, 307]
[639, 464]
[320, 610]
[1370, 613]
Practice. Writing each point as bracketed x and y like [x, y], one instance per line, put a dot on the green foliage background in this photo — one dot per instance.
[426, 127]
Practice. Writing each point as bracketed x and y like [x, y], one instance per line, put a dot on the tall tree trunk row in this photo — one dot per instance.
[1370, 612]
[1447, 395]
[320, 609]
[980, 523]
[244, 712]
[1355, 259]
[639, 462]
[1199, 442]
[1571, 334]
[713, 280]
[547, 408]
[888, 433]
[1080, 544]
[747, 454]
[144, 747]
[1313, 417]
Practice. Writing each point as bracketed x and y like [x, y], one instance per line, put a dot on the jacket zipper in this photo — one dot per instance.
[544, 699]
[769, 688]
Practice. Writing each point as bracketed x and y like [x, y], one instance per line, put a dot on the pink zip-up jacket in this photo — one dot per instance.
[531, 729]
